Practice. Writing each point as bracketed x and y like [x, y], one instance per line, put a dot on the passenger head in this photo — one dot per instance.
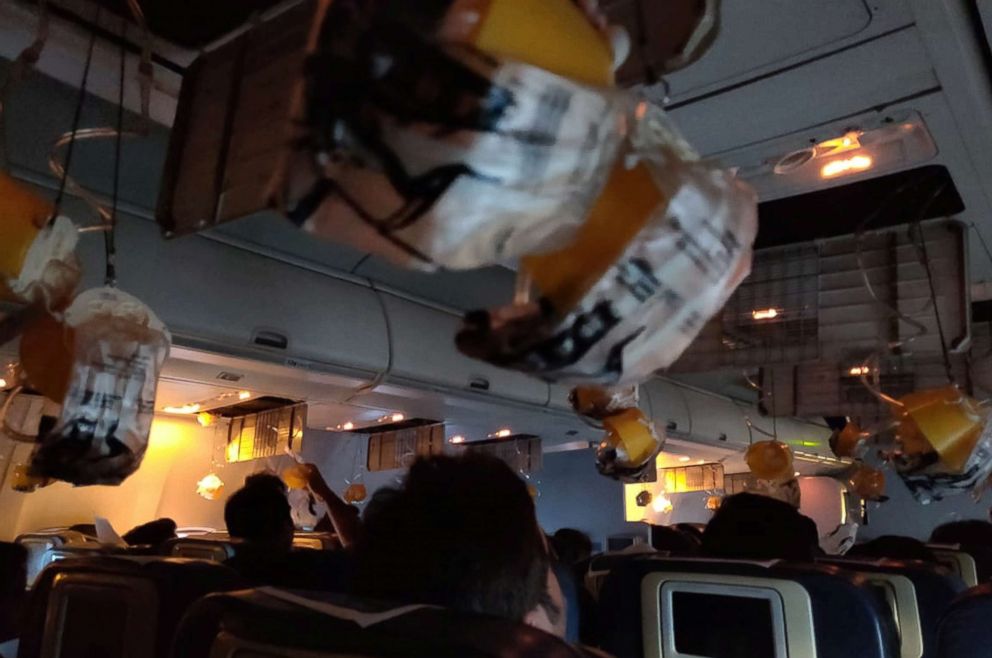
[673, 540]
[152, 533]
[893, 547]
[571, 546]
[459, 532]
[749, 526]
[259, 513]
[966, 533]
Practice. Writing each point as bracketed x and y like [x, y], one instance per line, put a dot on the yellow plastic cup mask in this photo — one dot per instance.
[22, 216]
[949, 420]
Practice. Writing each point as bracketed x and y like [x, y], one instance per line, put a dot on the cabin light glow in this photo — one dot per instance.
[764, 314]
[849, 141]
[398, 418]
[244, 395]
[503, 433]
[458, 438]
[186, 409]
[3, 383]
[683, 459]
[347, 427]
[661, 504]
[205, 419]
[846, 166]
[858, 371]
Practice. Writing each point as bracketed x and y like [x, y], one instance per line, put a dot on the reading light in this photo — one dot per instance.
[347, 427]
[458, 438]
[846, 166]
[398, 418]
[503, 433]
[205, 419]
[3, 383]
[684, 459]
[186, 409]
[857, 371]
[244, 395]
[765, 314]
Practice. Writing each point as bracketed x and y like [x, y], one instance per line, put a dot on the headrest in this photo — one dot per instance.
[338, 625]
[849, 619]
[935, 587]
[175, 582]
[980, 555]
[965, 631]
[200, 548]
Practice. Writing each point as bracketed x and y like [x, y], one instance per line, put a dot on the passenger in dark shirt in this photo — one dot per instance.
[259, 516]
[753, 527]
[460, 532]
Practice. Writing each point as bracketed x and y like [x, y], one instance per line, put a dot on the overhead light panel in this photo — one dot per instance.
[186, 409]
[458, 438]
[765, 314]
[846, 166]
[244, 395]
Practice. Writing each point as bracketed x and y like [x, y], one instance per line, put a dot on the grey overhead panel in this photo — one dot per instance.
[833, 389]
[809, 302]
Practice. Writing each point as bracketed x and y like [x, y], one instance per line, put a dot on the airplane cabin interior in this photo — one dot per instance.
[495, 328]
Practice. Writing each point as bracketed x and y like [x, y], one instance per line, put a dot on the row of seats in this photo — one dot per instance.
[46, 547]
[648, 605]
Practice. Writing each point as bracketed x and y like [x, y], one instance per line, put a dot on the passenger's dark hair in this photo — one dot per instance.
[749, 526]
[673, 540]
[259, 511]
[571, 546]
[266, 480]
[893, 547]
[966, 533]
[460, 532]
[152, 533]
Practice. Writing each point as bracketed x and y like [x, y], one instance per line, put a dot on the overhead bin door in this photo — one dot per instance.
[230, 300]
[424, 353]
[758, 37]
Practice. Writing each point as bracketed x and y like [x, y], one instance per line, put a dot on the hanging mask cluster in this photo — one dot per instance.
[97, 355]
[631, 443]
[435, 145]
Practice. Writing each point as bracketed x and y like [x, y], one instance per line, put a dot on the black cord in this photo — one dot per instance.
[109, 236]
[933, 288]
[77, 116]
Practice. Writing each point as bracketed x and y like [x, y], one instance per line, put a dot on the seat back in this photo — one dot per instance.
[267, 622]
[115, 606]
[212, 550]
[962, 562]
[965, 631]
[662, 607]
[319, 541]
[40, 545]
[918, 593]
